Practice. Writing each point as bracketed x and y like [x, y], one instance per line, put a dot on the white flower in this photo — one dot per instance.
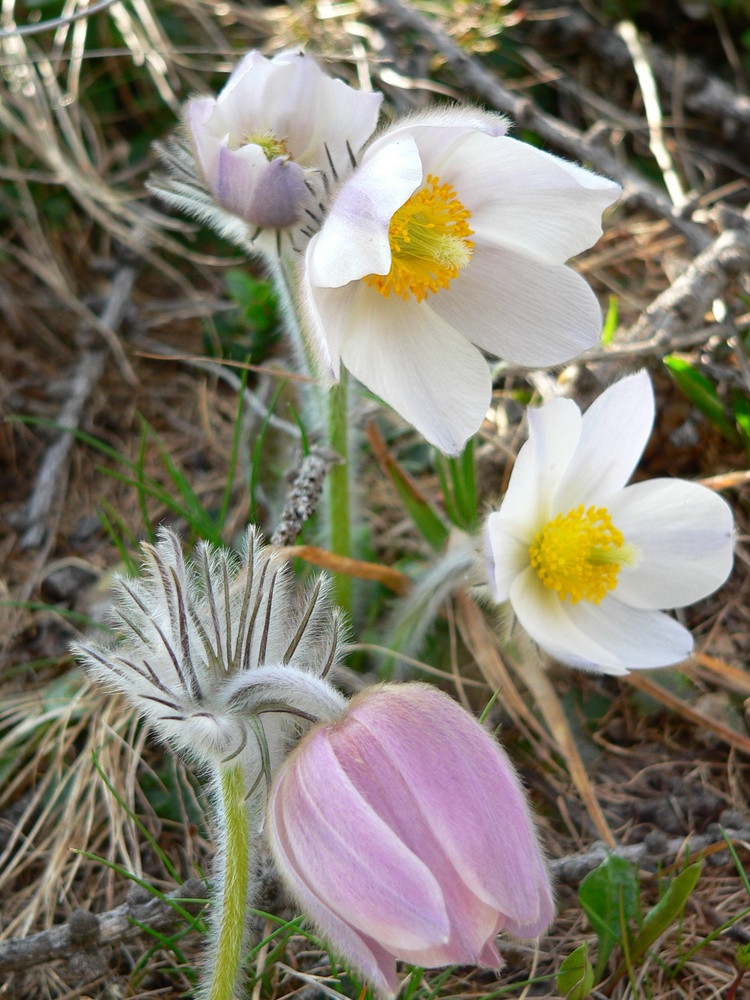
[265, 152]
[586, 561]
[218, 653]
[450, 239]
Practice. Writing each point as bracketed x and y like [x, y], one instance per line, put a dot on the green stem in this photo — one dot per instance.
[228, 950]
[339, 511]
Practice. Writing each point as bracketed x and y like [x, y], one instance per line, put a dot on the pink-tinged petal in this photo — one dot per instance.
[684, 535]
[525, 200]
[467, 792]
[237, 175]
[279, 195]
[554, 430]
[506, 553]
[610, 637]
[519, 309]
[354, 240]
[376, 963]
[377, 775]
[615, 430]
[418, 364]
[359, 868]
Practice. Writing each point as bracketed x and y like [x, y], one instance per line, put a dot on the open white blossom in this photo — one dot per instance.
[219, 654]
[587, 562]
[262, 156]
[450, 239]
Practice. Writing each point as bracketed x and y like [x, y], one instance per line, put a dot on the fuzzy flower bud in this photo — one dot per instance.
[403, 832]
[219, 654]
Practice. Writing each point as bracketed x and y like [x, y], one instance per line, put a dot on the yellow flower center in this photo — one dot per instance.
[429, 243]
[579, 554]
[271, 146]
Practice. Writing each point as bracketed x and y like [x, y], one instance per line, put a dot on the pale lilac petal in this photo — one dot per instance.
[418, 364]
[360, 868]
[519, 309]
[684, 536]
[554, 431]
[237, 175]
[615, 430]
[477, 814]
[198, 112]
[354, 240]
[610, 636]
[279, 195]
[525, 200]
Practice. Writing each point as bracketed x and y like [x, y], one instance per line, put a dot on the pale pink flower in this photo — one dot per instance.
[403, 832]
[450, 239]
[587, 562]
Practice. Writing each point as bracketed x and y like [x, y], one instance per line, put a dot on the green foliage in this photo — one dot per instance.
[732, 421]
[609, 896]
[575, 977]
[457, 478]
[247, 331]
[611, 319]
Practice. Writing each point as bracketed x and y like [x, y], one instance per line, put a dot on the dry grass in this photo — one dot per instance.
[78, 109]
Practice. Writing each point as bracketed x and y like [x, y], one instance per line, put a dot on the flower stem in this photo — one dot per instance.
[339, 511]
[233, 899]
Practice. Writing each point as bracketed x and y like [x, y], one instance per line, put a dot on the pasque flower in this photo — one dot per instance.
[264, 153]
[449, 239]
[403, 832]
[218, 653]
[587, 562]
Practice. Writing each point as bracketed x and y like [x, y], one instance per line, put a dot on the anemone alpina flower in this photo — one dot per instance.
[449, 239]
[262, 155]
[219, 654]
[403, 832]
[589, 563]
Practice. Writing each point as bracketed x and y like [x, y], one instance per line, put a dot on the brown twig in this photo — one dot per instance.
[86, 931]
[50, 477]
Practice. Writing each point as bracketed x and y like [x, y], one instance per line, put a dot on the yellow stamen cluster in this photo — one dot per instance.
[429, 243]
[579, 554]
[271, 146]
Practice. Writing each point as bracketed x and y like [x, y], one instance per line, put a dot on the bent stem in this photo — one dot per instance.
[234, 825]
[339, 511]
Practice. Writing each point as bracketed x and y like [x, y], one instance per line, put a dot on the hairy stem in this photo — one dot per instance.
[339, 510]
[233, 894]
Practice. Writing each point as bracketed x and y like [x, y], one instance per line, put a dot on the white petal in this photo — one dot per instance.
[237, 175]
[419, 365]
[526, 200]
[520, 309]
[610, 636]
[554, 430]
[506, 553]
[684, 535]
[436, 129]
[323, 312]
[615, 430]
[354, 239]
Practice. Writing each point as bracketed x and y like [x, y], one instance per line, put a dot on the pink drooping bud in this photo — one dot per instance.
[403, 832]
